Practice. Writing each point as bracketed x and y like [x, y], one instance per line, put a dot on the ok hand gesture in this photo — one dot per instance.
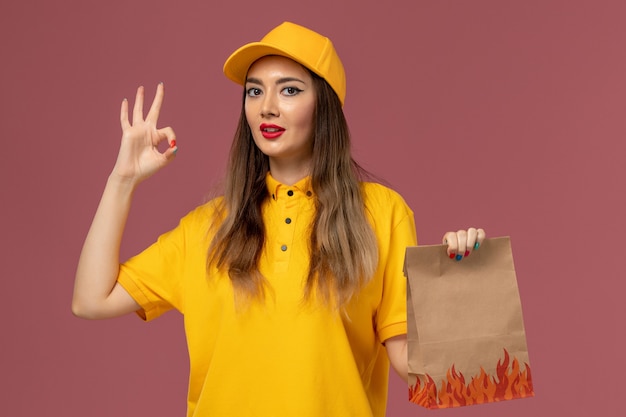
[139, 156]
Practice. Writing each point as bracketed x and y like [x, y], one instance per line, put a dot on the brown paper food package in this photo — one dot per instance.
[466, 337]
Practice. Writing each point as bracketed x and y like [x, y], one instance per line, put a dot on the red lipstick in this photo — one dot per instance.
[270, 131]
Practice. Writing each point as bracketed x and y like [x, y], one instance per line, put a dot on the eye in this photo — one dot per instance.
[253, 92]
[291, 91]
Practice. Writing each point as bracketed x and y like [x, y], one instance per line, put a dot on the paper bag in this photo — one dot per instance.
[466, 338]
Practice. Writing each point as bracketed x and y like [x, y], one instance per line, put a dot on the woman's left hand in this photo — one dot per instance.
[462, 243]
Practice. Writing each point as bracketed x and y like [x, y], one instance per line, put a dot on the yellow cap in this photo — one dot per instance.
[308, 48]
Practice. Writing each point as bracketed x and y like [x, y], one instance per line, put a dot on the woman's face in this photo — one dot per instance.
[279, 105]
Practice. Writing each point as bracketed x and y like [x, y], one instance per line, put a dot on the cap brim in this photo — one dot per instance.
[237, 65]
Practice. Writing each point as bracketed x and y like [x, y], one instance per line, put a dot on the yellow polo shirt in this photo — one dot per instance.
[282, 357]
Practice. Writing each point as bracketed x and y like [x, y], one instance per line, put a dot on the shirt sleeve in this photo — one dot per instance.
[391, 318]
[154, 277]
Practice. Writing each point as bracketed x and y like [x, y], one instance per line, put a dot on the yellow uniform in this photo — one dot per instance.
[282, 357]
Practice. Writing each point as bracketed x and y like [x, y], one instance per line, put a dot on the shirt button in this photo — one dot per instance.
[290, 193]
[283, 248]
[288, 220]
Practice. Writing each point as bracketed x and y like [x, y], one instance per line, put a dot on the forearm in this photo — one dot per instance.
[98, 266]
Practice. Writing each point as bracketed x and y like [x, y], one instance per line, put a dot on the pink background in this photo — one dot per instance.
[508, 115]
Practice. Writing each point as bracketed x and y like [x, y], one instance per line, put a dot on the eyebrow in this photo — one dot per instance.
[279, 81]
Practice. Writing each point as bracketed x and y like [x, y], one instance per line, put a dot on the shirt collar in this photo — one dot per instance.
[276, 189]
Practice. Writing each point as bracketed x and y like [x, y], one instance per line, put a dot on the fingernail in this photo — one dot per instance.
[175, 151]
[173, 143]
[467, 253]
[476, 245]
[161, 83]
[459, 257]
[452, 255]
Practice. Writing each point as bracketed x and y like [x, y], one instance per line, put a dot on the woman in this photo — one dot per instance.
[291, 284]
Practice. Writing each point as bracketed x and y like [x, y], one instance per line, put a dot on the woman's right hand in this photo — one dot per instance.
[97, 294]
[139, 156]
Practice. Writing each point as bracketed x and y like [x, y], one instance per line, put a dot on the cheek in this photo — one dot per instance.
[311, 125]
[248, 113]
[306, 119]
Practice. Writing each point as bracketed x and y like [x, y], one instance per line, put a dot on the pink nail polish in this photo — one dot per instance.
[467, 253]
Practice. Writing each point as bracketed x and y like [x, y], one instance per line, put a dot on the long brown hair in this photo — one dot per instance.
[342, 246]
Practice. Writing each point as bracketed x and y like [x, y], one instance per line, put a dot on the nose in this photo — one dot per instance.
[269, 106]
